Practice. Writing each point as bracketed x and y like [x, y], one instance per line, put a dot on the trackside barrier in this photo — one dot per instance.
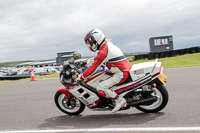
[171, 53]
[14, 77]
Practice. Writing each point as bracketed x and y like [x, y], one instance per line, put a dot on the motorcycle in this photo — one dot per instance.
[144, 89]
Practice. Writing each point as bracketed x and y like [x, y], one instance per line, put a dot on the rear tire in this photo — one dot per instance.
[161, 102]
[71, 106]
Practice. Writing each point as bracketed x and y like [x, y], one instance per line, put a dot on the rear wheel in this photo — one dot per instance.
[69, 106]
[162, 99]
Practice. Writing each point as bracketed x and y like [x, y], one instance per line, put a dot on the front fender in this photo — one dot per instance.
[64, 90]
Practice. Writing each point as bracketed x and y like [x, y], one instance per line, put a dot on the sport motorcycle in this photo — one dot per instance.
[144, 89]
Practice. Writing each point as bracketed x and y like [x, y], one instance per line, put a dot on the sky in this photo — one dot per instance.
[39, 29]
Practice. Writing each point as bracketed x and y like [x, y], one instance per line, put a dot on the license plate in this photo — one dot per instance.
[163, 78]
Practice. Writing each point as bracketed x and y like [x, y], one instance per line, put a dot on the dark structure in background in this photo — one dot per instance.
[61, 58]
[171, 53]
[64, 56]
[161, 47]
[161, 44]
[37, 64]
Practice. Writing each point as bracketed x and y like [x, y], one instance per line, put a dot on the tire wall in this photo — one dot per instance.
[154, 55]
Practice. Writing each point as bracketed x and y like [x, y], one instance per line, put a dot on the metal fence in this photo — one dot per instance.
[154, 55]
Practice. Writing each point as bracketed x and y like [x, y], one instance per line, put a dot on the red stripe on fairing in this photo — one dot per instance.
[157, 73]
[137, 84]
[118, 91]
[93, 77]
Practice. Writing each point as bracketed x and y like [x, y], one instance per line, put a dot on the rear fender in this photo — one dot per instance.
[64, 90]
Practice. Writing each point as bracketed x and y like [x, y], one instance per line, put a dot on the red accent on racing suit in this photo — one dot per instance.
[114, 59]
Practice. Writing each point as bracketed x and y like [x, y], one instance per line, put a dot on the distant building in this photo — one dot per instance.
[61, 58]
[64, 56]
[38, 64]
[161, 44]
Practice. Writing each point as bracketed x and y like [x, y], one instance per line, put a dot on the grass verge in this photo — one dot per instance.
[187, 60]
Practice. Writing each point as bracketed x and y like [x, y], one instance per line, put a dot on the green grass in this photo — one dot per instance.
[187, 60]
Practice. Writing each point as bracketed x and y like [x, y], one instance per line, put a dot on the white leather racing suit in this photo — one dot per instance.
[116, 62]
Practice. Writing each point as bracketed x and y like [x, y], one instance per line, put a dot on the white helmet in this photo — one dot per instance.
[94, 39]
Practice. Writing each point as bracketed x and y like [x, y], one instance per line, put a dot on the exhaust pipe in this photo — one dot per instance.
[144, 101]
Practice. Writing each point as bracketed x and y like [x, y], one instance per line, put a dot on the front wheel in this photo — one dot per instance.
[69, 106]
[162, 99]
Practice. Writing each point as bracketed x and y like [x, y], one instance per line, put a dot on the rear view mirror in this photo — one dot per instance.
[76, 56]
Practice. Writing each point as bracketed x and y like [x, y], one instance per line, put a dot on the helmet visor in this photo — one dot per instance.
[89, 38]
[90, 41]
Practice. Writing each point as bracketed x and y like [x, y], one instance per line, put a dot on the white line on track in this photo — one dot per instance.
[152, 129]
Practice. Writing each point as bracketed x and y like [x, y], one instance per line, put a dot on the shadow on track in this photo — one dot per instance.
[98, 121]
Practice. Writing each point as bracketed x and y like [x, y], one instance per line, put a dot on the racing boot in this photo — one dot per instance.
[119, 103]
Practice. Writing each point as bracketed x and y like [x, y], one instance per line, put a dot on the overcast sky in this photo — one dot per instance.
[38, 29]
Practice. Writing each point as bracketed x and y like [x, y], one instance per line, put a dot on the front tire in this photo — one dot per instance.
[71, 106]
[161, 92]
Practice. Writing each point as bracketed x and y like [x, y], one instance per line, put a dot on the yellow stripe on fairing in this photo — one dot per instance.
[94, 75]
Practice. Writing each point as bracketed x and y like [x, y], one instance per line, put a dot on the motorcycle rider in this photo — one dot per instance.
[110, 55]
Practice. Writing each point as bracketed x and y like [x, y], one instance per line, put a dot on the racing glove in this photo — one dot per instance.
[89, 61]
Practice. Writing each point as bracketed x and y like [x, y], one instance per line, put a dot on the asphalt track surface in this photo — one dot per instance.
[29, 106]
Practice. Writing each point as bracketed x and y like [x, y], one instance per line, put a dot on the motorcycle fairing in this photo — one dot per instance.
[142, 69]
[157, 71]
[95, 75]
[91, 99]
[150, 71]
[84, 95]
[94, 104]
[137, 84]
